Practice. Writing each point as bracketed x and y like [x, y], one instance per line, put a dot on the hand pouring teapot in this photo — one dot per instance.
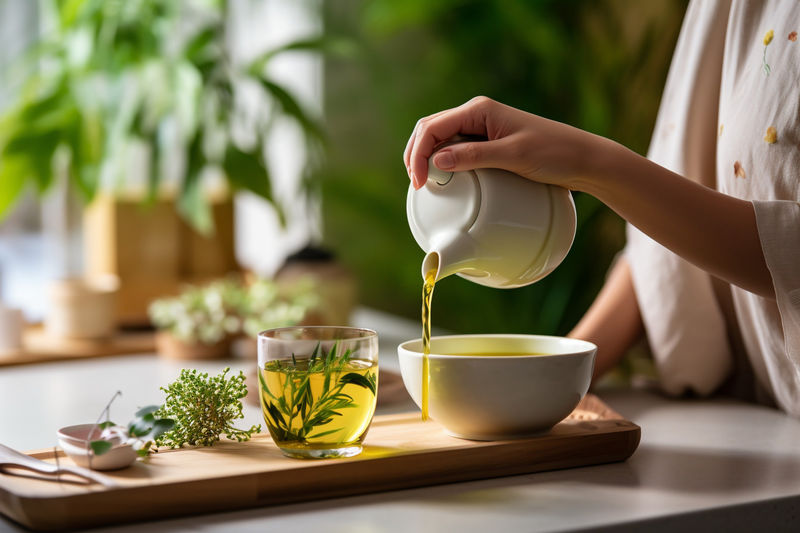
[490, 226]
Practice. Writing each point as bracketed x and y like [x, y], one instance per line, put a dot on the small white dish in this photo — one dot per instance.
[499, 397]
[73, 440]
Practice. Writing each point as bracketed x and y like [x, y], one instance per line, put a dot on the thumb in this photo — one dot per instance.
[470, 155]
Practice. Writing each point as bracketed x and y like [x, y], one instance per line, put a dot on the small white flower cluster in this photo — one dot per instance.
[229, 307]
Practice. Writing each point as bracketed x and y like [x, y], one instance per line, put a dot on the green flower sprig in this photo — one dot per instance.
[203, 409]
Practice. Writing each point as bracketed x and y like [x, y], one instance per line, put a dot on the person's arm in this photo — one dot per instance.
[716, 232]
[613, 321]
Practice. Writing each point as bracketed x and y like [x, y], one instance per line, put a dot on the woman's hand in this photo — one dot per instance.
[536, 148]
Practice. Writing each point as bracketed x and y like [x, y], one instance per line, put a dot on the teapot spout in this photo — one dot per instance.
[450, 253]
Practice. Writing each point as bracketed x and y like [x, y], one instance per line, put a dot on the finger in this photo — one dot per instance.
[410, 144]
[469, 119]
[470, 155]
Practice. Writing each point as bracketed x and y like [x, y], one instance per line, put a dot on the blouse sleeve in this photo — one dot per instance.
[684, 323]
[779, 229]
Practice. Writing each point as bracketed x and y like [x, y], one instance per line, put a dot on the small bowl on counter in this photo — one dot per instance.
[74, 440]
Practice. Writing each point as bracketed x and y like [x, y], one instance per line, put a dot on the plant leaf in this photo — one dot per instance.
[192, 203]
[290, 107]
[12, 181]
[329, 432]
[150, 409]
[142, 425]
[247, 170]
[99, 447]
[161, 426]
[358, 379]
[339, 46]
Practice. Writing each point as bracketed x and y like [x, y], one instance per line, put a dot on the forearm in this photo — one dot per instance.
[613, 321]
[714, 231]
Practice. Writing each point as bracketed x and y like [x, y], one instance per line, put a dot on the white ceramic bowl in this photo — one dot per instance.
[499, 397]
[72, 440]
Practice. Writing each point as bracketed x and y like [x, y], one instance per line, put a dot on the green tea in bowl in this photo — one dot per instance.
[318, 388]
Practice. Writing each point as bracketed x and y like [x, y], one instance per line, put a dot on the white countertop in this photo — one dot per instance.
[701, 465]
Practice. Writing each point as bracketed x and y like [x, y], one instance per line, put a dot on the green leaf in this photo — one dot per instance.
[336, 46]
[247, 171]
[193, 206]
[142, 425]
[290, 107]
[150, 409]
[106, 424]
[36, 149]
[263, 383]
[192, 203]
[203, 50]
[358, 379]
[283, 406]
[329, 432]
[99, 447]
[12, 180]
[276, 415]
[161, 426]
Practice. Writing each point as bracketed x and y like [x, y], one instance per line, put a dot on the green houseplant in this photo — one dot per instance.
[155, 73]
[143, 101]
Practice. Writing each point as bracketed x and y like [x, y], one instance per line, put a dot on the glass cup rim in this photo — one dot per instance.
[371, 333]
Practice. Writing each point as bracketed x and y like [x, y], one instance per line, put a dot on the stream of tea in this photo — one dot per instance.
[427, 294]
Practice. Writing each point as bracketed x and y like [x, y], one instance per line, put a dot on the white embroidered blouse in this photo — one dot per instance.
[730, 119]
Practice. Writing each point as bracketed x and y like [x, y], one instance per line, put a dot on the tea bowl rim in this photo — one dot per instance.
[588, 348]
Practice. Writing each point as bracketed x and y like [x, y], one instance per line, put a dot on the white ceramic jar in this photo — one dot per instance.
[82, 308]
[11, 324]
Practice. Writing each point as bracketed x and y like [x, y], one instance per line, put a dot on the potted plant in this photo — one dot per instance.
[202, 322]
[151, 83]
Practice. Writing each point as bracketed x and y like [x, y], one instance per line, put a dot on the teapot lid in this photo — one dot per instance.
[447, 204]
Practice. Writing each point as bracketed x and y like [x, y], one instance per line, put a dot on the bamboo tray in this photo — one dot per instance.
[402, 452]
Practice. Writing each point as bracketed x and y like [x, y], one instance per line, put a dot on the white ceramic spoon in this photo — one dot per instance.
[10, 458]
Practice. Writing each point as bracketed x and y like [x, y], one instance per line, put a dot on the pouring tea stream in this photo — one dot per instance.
[490, 226]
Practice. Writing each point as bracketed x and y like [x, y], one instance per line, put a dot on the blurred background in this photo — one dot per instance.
[252, 149]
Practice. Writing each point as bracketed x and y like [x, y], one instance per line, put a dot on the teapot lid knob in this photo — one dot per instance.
[442, 177]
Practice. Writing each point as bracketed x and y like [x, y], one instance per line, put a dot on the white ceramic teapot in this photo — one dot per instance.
[491, 226]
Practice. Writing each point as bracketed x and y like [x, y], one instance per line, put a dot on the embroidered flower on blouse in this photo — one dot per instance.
[767, 39]
[738, 171]
[772, 135]
[793, 36]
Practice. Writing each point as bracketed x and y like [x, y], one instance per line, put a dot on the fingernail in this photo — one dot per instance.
[414, 181]
[444, 160]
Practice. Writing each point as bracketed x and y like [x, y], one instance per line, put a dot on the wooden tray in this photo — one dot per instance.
[402, 452]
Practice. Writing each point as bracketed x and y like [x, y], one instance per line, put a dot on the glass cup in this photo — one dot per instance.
[318, 387]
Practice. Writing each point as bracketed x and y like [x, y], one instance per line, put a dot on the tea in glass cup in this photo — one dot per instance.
[318, 387]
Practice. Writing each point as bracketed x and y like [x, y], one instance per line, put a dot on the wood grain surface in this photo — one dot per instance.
[400, 452]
